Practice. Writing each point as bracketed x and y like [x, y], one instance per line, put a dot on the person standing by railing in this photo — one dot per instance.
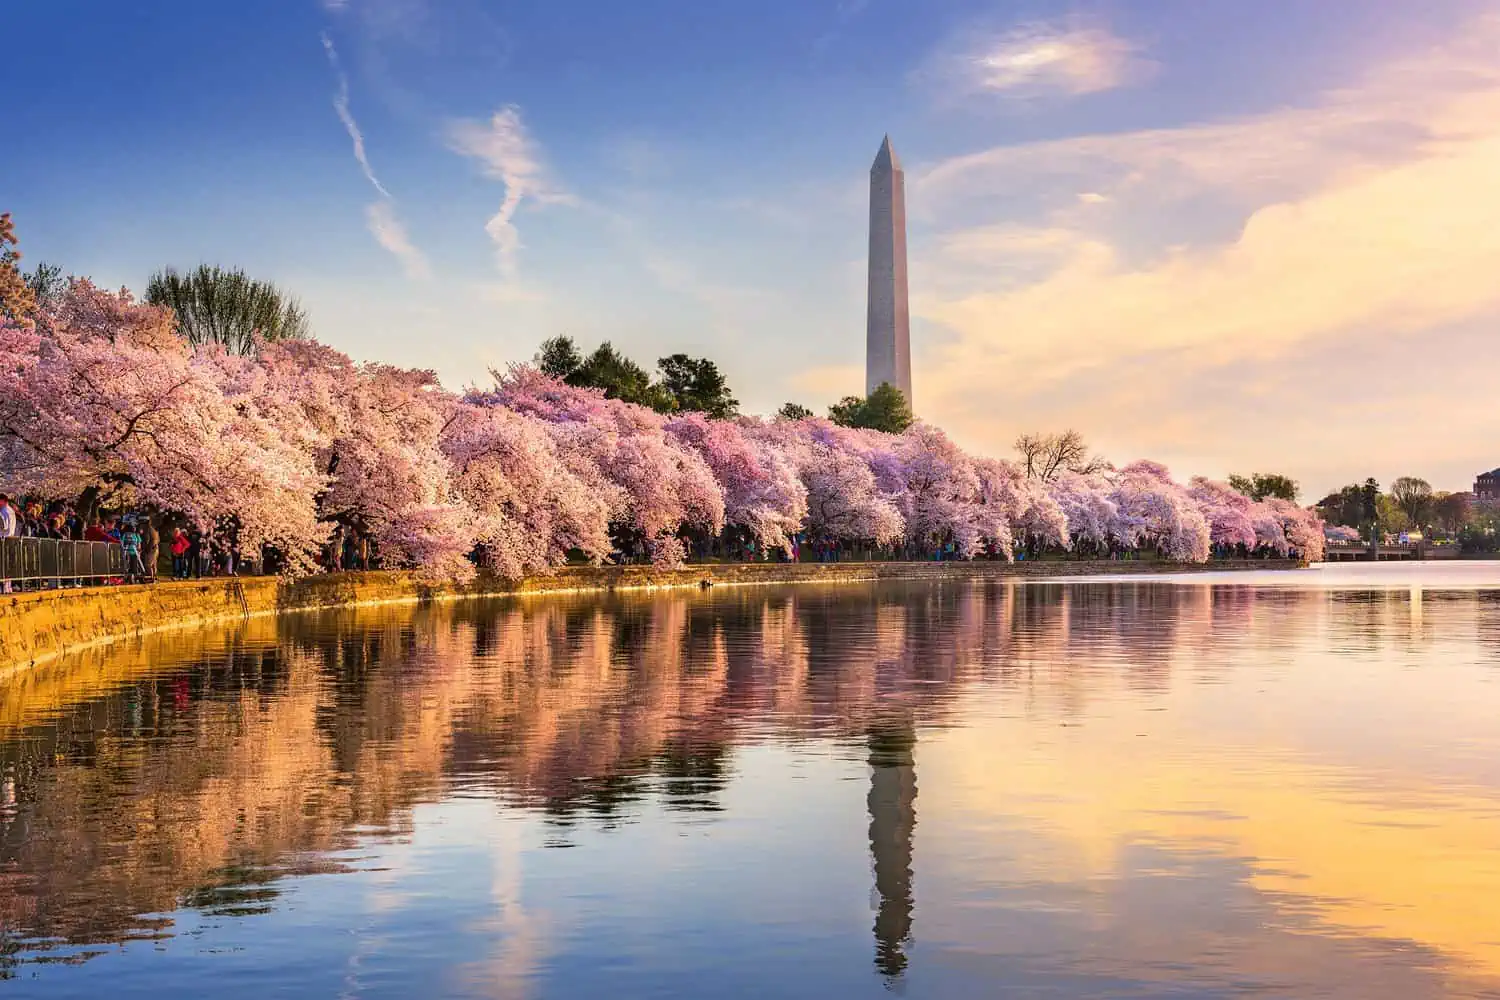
[30, 525]
[179, 545]
[150, 548]
[130, 542]
[8, 526]
[204, 561]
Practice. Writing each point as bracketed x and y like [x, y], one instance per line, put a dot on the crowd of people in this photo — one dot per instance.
[151, 546]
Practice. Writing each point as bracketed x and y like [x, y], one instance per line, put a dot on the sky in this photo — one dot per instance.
[1231, 237]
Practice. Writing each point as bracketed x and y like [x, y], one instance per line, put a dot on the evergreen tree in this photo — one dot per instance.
[885, 409]
[696, 384]
[559, 358]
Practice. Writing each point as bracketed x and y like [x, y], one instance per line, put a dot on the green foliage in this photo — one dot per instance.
[1392, 516]
[1481, 534]
[793, 411]
[1355, 506]
[559, 358]
[1452, 511]
[215, 306]
[47, 283]
[1264, 485]
[621, 378]
[696, 384]
[848, 412]
[885, 409]
[687, 384]
[1414, 497]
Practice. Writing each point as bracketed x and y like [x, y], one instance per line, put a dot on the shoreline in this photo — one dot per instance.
[40, 626]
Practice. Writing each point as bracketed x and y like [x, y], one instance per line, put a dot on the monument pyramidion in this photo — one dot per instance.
[888, 324]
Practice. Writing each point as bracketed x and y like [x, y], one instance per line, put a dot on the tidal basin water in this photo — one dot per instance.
[1266, 785]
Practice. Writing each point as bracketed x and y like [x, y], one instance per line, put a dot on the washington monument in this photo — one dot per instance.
[888, 326]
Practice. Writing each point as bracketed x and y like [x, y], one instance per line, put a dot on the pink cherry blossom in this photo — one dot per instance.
[762, 491]
[528, 508]
[1158, 512]
[1228, 513]
[102, 399]
[1034, 516]
[661, 485]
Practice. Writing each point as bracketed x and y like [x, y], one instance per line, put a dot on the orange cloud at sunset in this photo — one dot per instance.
[1277, 257]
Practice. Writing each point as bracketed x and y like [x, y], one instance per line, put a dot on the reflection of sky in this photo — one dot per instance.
[1328, 765]
[1123, 790]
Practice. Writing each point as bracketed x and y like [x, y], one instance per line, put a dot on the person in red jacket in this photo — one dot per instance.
[179, 545]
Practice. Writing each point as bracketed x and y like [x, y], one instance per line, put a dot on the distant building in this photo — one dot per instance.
[1487, 487]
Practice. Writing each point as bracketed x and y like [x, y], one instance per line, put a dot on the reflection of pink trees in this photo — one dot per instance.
[102, 401]
[322, 724]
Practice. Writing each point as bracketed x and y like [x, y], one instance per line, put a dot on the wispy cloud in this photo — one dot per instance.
[380, 216]
[506, 152]
[341, 107]
[388, 231]
[1036, 60]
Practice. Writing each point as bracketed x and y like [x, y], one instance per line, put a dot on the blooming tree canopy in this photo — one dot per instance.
[102, 400]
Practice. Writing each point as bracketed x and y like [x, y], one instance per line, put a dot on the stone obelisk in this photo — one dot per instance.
[888, 324]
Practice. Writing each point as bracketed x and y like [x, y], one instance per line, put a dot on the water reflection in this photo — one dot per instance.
[893, 820]
[1127, 789]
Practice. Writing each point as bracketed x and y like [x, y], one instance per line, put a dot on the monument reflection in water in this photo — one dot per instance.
[1127, 789]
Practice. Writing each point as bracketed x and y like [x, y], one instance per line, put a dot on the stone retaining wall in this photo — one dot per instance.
[40, 626]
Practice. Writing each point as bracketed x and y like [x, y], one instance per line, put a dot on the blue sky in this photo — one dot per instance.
[1223, 235]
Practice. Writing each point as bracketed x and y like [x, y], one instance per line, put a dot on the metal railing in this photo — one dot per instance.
[54, 561]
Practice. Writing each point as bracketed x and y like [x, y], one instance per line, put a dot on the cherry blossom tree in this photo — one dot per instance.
[844, 502]
[373, 431]
[662, 485]
[1227, 511]
[1035, 517]
[1303, 528]
[941, 496]
[103, 399]
[529, 509]
[1157, 511]
[1093, 518]
[762, 491]
[1270, 532]
[1342, 534]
